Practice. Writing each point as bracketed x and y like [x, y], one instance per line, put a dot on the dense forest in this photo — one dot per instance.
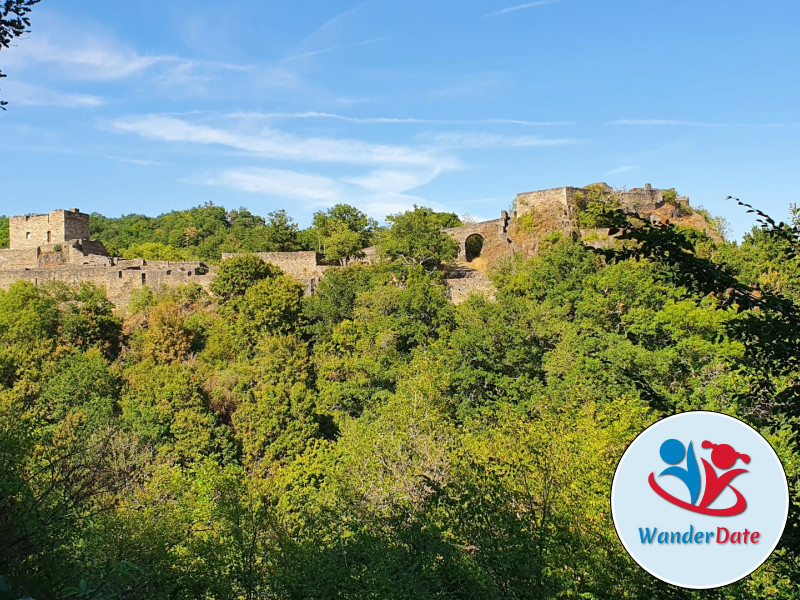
[205, 232]
[374, 440]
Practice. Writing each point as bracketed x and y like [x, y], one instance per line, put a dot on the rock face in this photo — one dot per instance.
[57, 246]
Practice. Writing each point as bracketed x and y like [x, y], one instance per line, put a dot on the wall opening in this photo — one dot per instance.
[144, 278]
[49, 237]
[27, 235]
[473, 246]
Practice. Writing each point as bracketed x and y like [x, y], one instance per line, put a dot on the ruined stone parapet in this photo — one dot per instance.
[58, 226]
[118, 282]
[553, 209]
[464, 283]
[558, 208]
[493, 236]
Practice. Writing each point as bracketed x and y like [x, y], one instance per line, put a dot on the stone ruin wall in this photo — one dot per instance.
[302, 266]
[495, 236]
[58, 226]
[552, 208]
[557, 209]
[81, 259]
[119, 280]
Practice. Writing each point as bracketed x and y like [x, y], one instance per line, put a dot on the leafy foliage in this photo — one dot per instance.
[4, 241]
[342, 232]
[373, 440]
[416, 238]
[200, 233]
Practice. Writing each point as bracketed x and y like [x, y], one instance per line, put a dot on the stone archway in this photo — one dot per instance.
[490, 237]
[473, 246]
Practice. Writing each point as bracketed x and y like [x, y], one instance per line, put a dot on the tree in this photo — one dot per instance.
[342, 243]
[271, 306]
[4, 232]
[168, 339]
[416, 238]
[342, 231]
[14, 22]
[281, 232]
[236, 275]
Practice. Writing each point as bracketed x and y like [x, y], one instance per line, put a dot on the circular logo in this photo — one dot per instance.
[699, 499]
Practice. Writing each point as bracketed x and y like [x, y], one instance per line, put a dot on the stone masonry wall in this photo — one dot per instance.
[32, 231]
[551, 208]
[493, 233]
[301, 266]
[118, 282]
[18, 259]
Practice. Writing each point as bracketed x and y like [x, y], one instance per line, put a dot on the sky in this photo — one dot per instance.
[152, 106]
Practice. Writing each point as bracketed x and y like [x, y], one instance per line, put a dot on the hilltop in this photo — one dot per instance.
[125, 254]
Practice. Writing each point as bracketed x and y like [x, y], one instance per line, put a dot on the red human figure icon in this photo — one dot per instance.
[724, 457]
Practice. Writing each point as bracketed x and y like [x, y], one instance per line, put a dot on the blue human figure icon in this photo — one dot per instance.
[672, 452]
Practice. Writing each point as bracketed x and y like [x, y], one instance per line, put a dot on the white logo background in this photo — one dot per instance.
[635, 505]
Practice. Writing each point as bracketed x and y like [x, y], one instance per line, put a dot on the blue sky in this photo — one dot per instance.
[148, 106]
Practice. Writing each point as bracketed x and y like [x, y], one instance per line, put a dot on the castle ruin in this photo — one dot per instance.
[57, 246]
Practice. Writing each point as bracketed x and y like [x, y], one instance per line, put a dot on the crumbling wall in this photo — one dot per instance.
[118, 283]
[496, 240]
[551, 209]
[32, 231]
[461, 283]
[18, 258]
[302, 266]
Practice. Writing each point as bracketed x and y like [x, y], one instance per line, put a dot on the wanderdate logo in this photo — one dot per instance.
[699, 499]
[723, 457]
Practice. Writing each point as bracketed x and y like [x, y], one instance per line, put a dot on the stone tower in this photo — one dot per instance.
[56, 227]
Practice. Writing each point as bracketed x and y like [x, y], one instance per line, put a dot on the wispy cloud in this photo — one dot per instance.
[658, 122]
[100, 57]
[664, 122]
[399, 120]
[333, 48]
[478, 139]
[94, 59]
[140, 162]
[335, 22]
[376, 193]
[279, 183]
[520, 7]
[622, 169]
[33, 95]
[394, 181]
[272, 143]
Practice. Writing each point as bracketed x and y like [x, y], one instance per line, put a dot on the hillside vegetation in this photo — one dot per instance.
[375, 441]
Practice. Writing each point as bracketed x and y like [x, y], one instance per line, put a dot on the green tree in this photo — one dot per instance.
[4, 241]
[342, 244]
[87, 317]
[168, 339]
[415, 237]
[271, 306]
[341, 231]
[281, 232]
[155, 251]
[236, 275]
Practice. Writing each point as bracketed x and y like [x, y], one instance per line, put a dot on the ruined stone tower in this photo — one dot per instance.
[56, 227]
